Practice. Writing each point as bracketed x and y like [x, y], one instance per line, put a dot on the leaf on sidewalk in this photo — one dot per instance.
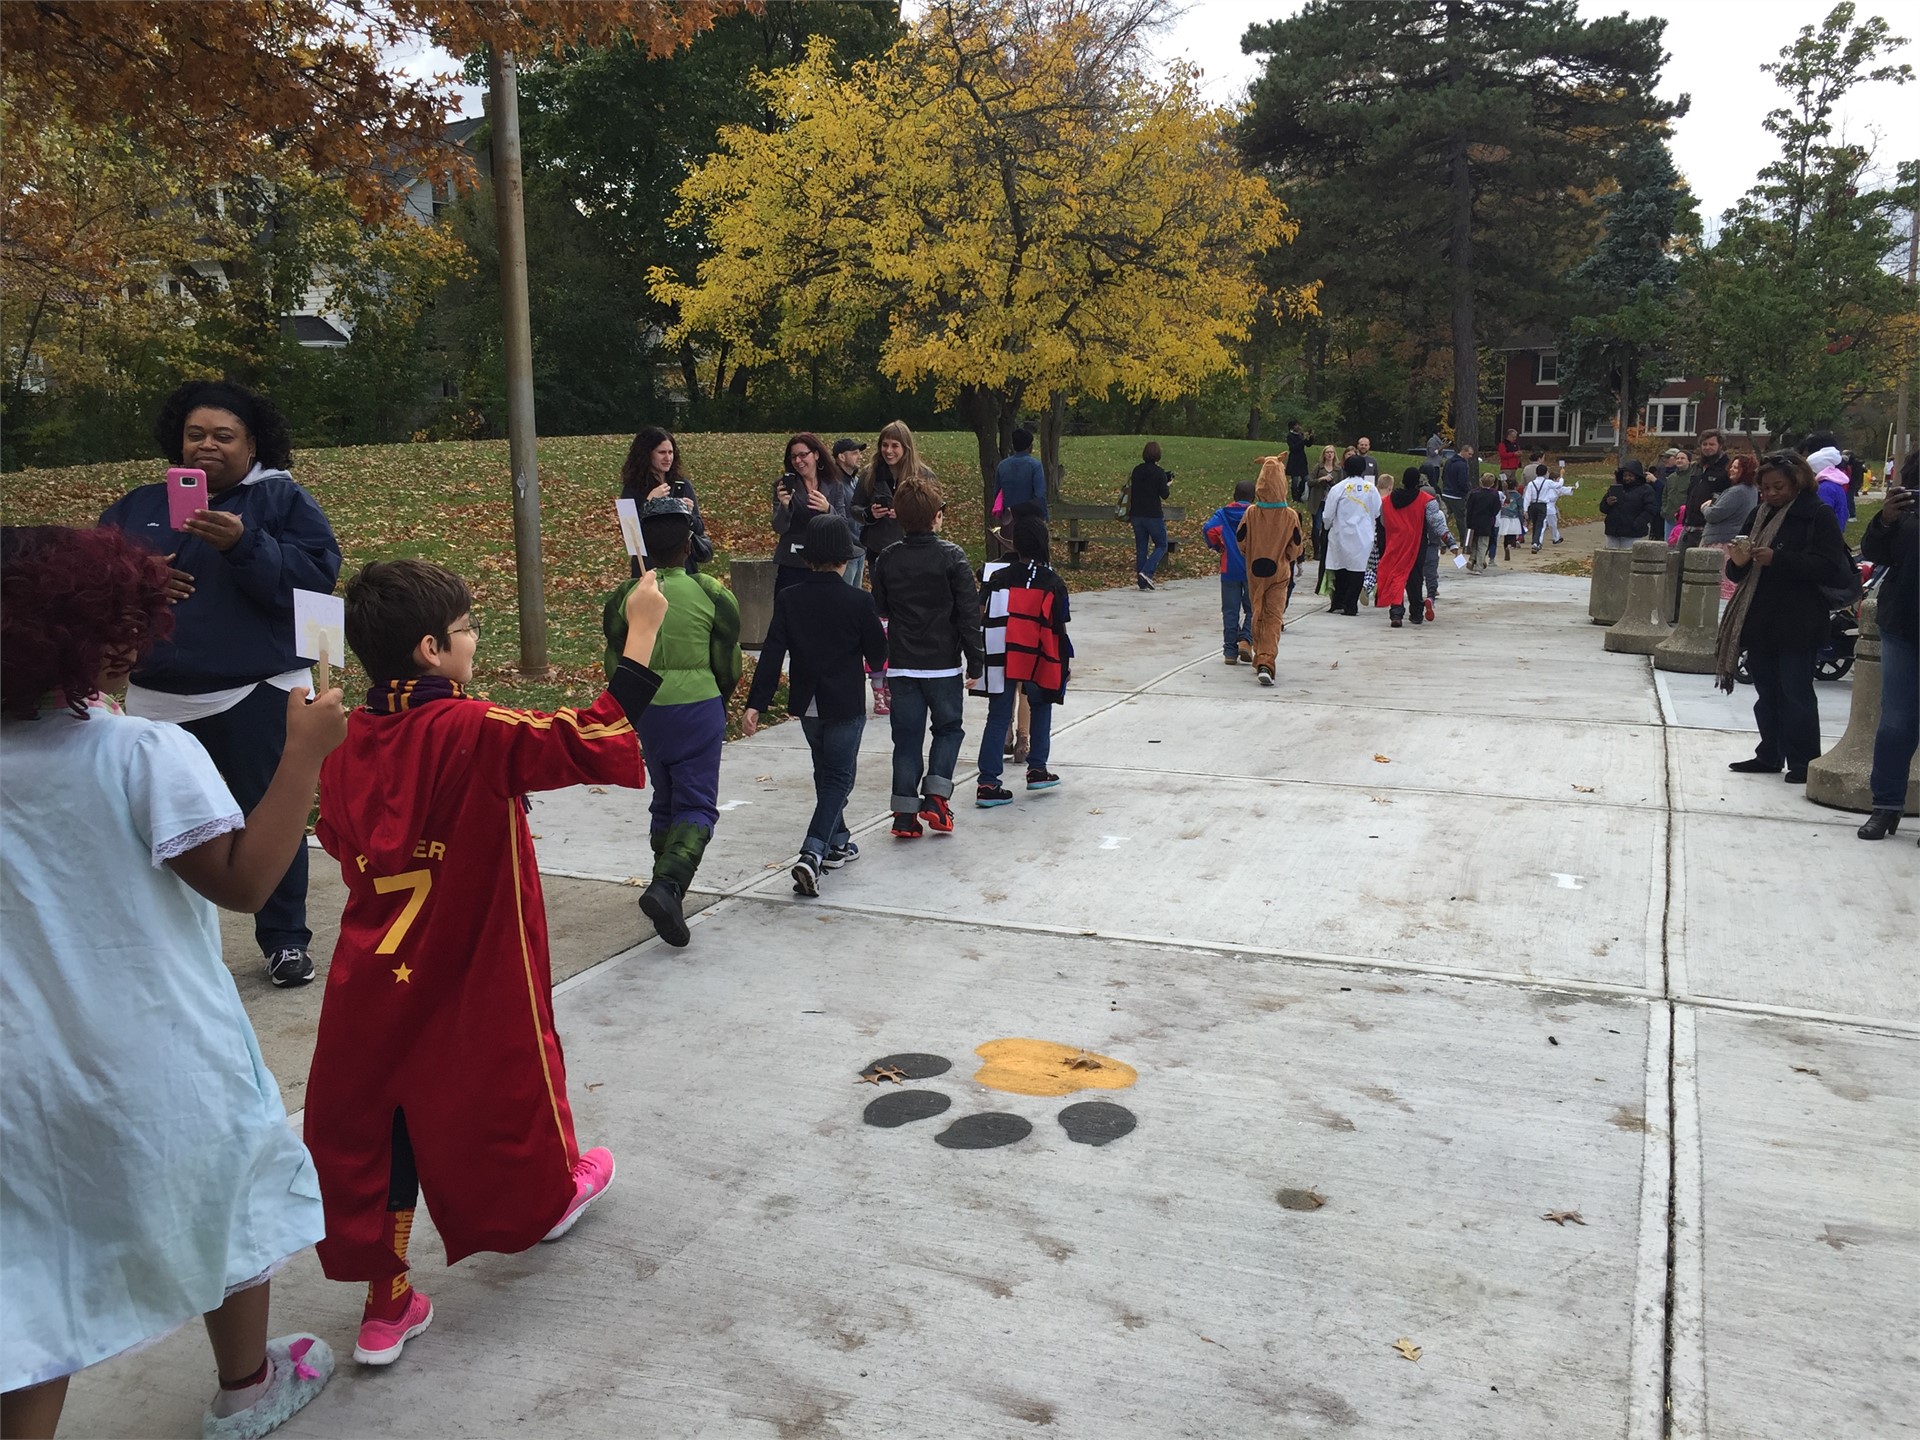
[874, 1074]
[762, 777]
[1407, 1348]
[1561, 1217]
[635, 880]
[1584, 789]
[1805, 1070]
[1334, 666]
[1381, 760]
[596, 789]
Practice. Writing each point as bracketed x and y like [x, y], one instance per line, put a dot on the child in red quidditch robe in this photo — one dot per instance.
[437, 1066]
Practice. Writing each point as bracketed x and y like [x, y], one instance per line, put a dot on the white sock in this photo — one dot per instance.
[232, 1402]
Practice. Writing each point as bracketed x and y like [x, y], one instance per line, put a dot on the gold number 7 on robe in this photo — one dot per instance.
[419, 882]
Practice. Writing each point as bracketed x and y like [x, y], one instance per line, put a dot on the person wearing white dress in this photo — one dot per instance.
[150, 1175]
[1352, 508]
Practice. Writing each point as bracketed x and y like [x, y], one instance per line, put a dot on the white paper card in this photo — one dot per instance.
[629, 515]
[992, 568]
[319, 627]
[1459, 562]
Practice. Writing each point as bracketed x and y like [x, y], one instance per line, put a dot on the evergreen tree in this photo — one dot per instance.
[1430, 149]
[1794, 298]
[1619, 341]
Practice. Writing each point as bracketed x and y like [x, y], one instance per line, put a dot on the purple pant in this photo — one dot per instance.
[681, 745]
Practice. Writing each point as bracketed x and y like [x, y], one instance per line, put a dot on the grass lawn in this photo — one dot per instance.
[448, 502]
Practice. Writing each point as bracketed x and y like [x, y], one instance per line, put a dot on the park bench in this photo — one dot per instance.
[1077, 543]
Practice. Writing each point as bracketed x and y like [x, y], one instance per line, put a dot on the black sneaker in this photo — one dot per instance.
[806, 874]
[840, 855]
[291, 966]
[1041, 780]
[985, 796]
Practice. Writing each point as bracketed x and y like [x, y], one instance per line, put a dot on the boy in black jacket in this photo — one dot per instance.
[925, 591]
[832, 632]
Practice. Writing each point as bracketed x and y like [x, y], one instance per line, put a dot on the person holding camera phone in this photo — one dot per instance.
[1779, 613]
[1147, 488]
[1893, 542]
[801, 493]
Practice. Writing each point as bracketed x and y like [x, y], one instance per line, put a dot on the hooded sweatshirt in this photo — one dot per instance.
[1220, 534]
[1836, 486]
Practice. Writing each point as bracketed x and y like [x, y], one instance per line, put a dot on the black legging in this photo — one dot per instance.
[1346, 590]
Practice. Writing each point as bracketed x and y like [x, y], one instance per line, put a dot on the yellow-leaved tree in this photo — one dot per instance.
[1031, 211]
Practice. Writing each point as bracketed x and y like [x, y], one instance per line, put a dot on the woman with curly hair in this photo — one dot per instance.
[150, 1173]
[652, 469]
[225, 674]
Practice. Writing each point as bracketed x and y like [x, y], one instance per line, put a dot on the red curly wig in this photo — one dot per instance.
[70, 601]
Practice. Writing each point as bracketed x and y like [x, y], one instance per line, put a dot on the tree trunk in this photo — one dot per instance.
[1466, 358]
[983, 411]
[1620, 425]
[720, 370]
[690, 376]
[1256, 375]
[1052, 425]
[737, 383]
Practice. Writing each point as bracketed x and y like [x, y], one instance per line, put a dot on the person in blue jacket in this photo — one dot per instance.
[1236, 616]
[225, 675]
[1020, 479]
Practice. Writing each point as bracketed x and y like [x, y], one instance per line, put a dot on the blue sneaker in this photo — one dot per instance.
[840, 855]
[1041, 780]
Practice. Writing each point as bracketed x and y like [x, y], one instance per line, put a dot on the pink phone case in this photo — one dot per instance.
[186, 493]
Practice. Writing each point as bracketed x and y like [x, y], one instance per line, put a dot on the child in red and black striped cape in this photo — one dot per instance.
[1024, 607]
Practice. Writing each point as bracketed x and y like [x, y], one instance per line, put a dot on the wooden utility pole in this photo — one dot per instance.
[1903, 437]
[503, 110]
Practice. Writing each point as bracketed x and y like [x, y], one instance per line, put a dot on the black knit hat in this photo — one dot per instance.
[826, 541]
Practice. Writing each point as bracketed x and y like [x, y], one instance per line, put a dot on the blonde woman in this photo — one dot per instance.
[898, 459]
[1324, 479]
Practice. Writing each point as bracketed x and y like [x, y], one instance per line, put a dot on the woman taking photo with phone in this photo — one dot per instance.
[1778, 616]
[803, 491]
[225, 674]
[652, 468]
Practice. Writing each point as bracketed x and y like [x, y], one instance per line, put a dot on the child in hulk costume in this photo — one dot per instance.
[697, 658]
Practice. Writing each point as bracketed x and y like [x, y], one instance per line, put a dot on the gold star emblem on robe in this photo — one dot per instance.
[403, 975]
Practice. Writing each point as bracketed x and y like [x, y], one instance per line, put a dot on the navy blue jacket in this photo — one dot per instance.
[1461, 478]
[237, 626]
[1022, 481]
[832, 634]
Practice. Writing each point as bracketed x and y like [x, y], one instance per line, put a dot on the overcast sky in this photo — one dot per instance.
[1716, 49]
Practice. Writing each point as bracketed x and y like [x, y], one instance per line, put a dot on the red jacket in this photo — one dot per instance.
[439, 1001]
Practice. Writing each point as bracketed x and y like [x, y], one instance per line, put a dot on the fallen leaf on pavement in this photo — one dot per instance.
[596, 789]
[1379, 799]
[1805, 1070]
[1096, 811]
[763, 777]
[1407, 1348]
[634, 880]
[1334, 666]
[1210, 1340]
[1381, 760]
[1561, 1217]
[1584, 789]
[873, 1075]
[596, 1085]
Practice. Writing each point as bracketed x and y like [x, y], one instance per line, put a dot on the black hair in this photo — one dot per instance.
[1411, 476]
[1354, 465]
[1022, 439]
[1244, 489]
[635, 469]
[1818, 440]
[1030, 538]
[272, 446]
[1293, 424]
[393, 604]
[668, 538]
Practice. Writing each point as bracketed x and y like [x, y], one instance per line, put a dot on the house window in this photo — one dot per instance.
[1736, 421]
[1546, 368]
[1541, 420]
[1671, 417]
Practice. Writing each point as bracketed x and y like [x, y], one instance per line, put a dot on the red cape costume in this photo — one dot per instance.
[439, 1002]
[1406, 528]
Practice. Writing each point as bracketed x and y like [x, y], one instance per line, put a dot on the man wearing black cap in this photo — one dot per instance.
[832, 634]
[848, 456]
[697, 657]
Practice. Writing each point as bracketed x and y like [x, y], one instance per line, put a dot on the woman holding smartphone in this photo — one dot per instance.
[1779, 611]
[651, 469]
[801, 493]
[225, 674]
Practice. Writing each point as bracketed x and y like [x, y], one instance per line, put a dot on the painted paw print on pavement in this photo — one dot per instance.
[1019, 1067]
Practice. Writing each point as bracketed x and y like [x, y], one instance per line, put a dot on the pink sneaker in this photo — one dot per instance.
[381, 1341]
[592, 1174]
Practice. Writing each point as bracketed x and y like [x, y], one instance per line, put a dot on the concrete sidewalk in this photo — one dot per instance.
[1454, 930]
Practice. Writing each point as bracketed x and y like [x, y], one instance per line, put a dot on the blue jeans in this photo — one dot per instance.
[1236, 616]
[1785, 706]
[836, 762]
[993, 740]
[1899, 733]
[1149, 535]
[856, 567]
[916, 701]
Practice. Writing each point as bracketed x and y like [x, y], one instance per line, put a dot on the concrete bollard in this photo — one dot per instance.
[752, 584]
[1643, 622]
[1840, 777]
[1690, 648]
[1607, 595]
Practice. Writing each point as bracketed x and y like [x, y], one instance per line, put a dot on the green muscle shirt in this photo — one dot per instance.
[697, 653]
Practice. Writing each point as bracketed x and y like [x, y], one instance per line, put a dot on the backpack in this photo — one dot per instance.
[1123, 501]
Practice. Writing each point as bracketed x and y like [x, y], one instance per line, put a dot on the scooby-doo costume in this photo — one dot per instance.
[1270, 541]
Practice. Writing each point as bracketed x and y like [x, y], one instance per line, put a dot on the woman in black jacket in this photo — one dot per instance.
[1892, 541]
[1146, 488]
[1631, 507]
[652, 467]
[1779, 611]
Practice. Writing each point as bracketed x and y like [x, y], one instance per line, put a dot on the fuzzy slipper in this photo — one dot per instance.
[301, 1365]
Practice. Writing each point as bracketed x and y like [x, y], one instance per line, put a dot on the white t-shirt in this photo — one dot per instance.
[149, 1165]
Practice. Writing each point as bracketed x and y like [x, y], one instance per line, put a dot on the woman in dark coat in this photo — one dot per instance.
[1893, 542]
[1779, 611]
[652, 467]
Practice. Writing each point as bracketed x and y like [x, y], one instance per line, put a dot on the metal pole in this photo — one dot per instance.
[503, 109]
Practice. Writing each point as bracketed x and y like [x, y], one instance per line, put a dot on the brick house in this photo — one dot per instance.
[1679, 409]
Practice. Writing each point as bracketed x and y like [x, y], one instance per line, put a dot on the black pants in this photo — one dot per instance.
[1346, 590]
[785, 575]
[245, 743]
[1417, 583]
[1785, 707]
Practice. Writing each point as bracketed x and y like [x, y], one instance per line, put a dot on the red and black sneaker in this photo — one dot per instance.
[906, 827]
[937, 813]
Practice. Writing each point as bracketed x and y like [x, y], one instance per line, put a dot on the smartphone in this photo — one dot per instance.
[186, 493]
